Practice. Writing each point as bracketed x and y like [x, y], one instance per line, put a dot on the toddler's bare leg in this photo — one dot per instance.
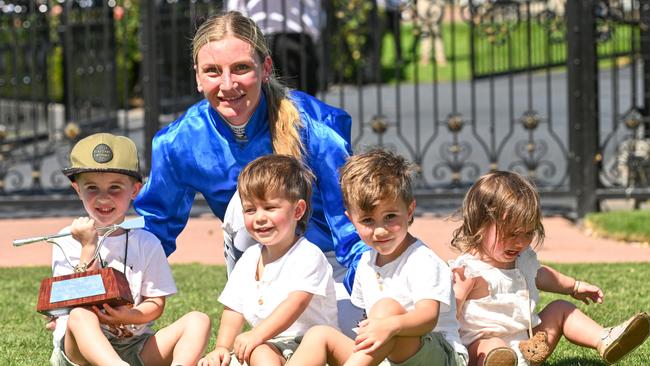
[266, 355]
[322, 344]
[563, 318]
[85, 342]
[480, 348]
[398, 349]
[181, 342]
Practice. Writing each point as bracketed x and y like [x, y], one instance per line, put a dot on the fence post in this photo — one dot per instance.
[151, 94]
[645, 54]
[582, 67]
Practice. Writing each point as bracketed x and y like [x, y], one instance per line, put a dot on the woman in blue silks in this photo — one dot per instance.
[247, 113]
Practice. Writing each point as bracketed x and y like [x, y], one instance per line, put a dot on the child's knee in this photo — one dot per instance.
[198, 317]
[265, 354]
[80, 314]
[197, 320]
[386, 307]
[561, 306]
[80, 317]
[318, 332]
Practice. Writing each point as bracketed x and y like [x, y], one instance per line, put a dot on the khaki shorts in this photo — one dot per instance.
[435, 350]
[286, 345]
[127, 348]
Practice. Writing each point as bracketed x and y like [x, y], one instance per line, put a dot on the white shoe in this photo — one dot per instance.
[619, 341]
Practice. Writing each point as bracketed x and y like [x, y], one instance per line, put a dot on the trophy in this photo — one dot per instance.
[58, 295]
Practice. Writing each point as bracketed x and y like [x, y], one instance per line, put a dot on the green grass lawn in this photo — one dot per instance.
[523, 45]
[26, 342]
[621, 225]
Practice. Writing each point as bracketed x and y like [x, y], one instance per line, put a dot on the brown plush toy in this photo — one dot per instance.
[536, 349]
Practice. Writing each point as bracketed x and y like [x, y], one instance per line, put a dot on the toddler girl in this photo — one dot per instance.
[497, 278]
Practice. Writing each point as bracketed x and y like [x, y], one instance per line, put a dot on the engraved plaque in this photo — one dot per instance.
[58, 295]
[76, 288]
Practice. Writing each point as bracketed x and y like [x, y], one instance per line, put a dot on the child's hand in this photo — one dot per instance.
[373, 333]
[245, 343]
[219, 357]
[114, 316]
[51, 323]
[83, 230]
[584, 291]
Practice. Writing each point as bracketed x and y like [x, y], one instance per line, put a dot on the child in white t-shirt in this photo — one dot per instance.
[404, 287]
[498, 279]
[104, 173]
[281, 286]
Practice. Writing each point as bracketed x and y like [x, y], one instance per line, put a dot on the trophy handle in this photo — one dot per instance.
[100, 242]
[137, 223]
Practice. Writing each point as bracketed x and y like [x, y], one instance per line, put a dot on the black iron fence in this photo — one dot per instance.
[557, 90]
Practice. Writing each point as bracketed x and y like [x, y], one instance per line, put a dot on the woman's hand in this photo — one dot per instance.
[373, 333]
[245, 343]
[584, 291]
[219, 357]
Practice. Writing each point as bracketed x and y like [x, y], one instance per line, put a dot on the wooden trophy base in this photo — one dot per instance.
[58, 295]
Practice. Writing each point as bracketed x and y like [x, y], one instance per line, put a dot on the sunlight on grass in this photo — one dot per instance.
[26, 342]
[526, 45]
[621, 225]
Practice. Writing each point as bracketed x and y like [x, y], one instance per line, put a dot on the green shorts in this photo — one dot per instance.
[127, 348]
[435, 350]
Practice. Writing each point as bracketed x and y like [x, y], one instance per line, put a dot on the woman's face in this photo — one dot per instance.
[230, 76]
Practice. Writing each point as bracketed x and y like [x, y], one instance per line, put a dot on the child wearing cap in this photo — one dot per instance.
[105, 174]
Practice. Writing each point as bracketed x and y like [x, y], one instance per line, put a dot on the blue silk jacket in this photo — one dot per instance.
[198, 153]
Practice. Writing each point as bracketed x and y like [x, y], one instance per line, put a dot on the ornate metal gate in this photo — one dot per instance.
[553, 89]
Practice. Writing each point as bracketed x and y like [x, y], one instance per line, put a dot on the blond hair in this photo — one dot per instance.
[378, 175]
[505, 199]
[284, 119]
[277, 176]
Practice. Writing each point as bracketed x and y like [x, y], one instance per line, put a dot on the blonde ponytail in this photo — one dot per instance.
[284, 121]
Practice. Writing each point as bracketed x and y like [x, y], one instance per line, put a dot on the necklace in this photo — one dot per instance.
[239, 131]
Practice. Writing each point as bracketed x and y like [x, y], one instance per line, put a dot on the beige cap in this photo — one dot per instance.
[103, 152]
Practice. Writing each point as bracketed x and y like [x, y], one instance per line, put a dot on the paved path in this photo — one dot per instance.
[201, 242]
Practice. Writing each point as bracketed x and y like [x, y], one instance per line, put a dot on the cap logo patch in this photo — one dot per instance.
[102, 153]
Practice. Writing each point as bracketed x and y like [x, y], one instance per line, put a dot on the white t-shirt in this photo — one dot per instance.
[417, 274]
[147, 270]
[302, 268]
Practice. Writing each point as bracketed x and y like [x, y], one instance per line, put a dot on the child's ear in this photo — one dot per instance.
[137, 186]
[411, 210]
[347, 215]
[301, 208]
[75, 186]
